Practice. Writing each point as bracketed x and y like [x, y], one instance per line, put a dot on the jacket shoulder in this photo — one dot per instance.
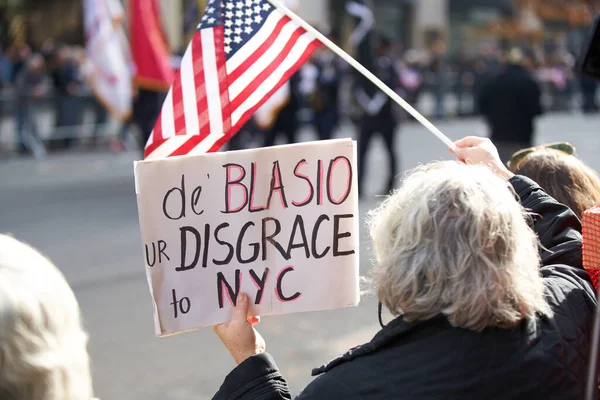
[328, 387]
[570, 292]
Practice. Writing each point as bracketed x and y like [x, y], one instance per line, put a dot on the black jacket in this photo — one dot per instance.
[510, 102]
[544, 358]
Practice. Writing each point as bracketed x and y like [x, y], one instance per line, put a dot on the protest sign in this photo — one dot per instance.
[279, 224]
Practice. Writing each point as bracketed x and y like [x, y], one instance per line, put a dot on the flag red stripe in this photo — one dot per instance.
[178, 109]
[152, 147]
[239, 71]
[248, 114]
[223, 80]
[199, 84]
[188, 146]
[265, 73]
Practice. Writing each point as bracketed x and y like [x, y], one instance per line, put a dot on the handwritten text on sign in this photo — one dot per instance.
[279, 224]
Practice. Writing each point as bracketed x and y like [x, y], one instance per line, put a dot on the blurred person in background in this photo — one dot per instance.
[19, 53]
[489, 56]
[440, 73]
[410, 78]
[244, 138]
[325, 99]
[48, 50]
[43, 354]
[486, 66]
[31, 85]
[68, 104]
[465, 85]
[490, 303]
[86, 71]
[5, 69]
[378, 116]
[561, 81]
[589, 89]
[5, 80]
[284, 117]
[147, 105]
[558, 171]
[510, 102]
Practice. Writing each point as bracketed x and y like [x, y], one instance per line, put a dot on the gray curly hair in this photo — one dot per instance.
[453, 241]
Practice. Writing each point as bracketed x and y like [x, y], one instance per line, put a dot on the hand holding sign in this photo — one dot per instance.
[278, 224]
[239, 335]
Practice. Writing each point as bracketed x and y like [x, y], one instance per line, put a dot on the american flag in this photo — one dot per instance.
[242, 52]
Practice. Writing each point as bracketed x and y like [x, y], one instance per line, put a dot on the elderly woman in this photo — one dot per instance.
[43, 352]
[556, 169]
[486, 309]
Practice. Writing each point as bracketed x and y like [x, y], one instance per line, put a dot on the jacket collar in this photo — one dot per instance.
[383, 338]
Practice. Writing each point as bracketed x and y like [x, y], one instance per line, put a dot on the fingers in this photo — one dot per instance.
[240, 311]
[463, 153]
[254, 320]
[470, 141]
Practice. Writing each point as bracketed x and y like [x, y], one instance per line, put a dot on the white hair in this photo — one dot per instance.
[453, 241]
[43, 353]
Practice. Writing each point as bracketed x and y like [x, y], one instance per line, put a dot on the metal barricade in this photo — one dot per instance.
[40, 130]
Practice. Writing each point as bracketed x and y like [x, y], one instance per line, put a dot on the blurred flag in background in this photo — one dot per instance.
[151, 54]
[108, 65]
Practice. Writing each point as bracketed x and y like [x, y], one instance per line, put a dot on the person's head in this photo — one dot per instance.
[63, 55]
[79, 55]
[48, 45]
[562, 175]
[35, 63]
[453, 241]
[383, 45]
[412, 57]
[515, 57]
[43, 352]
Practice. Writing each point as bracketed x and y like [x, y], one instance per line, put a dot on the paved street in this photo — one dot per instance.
[81, 211]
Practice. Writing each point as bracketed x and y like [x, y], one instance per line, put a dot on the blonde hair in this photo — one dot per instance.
[453, 241]
[43, 352]
[566, 178]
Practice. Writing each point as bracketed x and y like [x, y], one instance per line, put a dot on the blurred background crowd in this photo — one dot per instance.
[443, 52]
[66, 161]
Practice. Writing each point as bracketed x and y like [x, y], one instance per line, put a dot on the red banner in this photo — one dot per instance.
[151, 55]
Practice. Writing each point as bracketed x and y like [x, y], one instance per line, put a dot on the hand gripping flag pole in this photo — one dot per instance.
[367, 74]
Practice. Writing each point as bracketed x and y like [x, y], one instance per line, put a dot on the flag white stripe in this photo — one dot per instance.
[206, 144]
[269, 84]
[168, 147]
[211, 79]
[168, 120]
[150, 139]
[265, 59]
[189, 93]
[253, 44]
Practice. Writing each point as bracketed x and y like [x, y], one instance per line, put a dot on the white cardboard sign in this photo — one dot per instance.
[279, 224]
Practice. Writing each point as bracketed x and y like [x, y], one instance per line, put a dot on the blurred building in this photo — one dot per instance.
[417, 24]
[37, 20]
[544, 24]
[314, 11]
[424, 24]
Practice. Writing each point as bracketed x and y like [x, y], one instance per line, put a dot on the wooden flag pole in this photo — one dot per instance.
[368, 74]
